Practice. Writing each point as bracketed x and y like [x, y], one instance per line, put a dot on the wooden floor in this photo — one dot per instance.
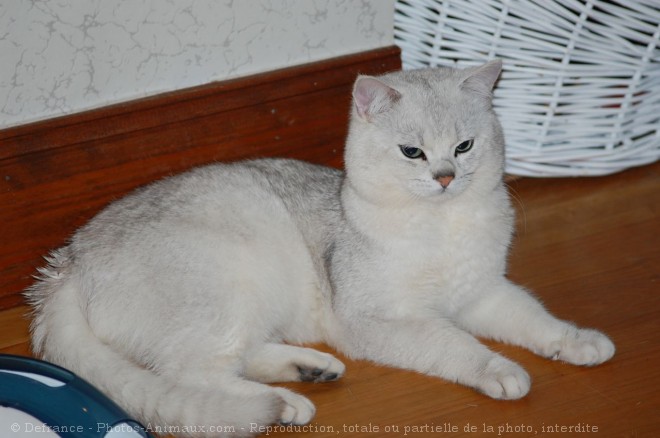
[590, 249]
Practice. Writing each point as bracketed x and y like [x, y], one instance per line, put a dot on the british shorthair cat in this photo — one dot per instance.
[185, 298]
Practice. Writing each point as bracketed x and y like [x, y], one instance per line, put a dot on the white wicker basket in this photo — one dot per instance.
[580, 89]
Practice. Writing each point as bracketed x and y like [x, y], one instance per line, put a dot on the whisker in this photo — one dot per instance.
[514, 194]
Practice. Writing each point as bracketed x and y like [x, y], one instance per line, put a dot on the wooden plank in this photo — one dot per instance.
[14, 336]
[58, 173]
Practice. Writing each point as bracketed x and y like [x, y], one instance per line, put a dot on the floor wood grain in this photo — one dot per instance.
[589, 248]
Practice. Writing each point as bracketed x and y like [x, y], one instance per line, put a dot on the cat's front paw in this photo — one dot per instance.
[503, 379]
[583, 347]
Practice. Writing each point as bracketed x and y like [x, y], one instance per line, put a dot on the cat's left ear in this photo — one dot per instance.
[481, 80]
[372, 97]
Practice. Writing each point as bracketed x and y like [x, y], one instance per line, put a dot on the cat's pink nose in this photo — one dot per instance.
[444, 180]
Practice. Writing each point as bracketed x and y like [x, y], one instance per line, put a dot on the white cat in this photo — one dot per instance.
[182, 299]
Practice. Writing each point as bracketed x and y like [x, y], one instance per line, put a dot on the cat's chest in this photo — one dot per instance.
[439, 261]
[456, 248]
[457, 233]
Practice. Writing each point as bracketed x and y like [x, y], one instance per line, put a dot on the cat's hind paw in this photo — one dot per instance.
[317, 375]
[297, 410]
[583, 347]
[287, 363]
[503, 379]
[320, 367]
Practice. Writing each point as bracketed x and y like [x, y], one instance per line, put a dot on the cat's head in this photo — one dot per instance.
[426, 134]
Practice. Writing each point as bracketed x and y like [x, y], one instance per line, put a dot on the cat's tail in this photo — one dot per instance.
[61, 334]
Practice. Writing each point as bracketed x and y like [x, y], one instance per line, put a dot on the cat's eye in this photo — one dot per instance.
[463, 147]
[412, 152]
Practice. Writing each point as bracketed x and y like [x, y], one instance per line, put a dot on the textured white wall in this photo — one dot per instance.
[62, 56]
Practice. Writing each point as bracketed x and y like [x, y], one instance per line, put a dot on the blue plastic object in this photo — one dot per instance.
[67, 404]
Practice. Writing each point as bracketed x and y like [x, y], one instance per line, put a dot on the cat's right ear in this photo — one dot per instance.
[372, 97]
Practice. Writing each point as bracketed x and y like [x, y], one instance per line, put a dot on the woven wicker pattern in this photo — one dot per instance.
[580, 89]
